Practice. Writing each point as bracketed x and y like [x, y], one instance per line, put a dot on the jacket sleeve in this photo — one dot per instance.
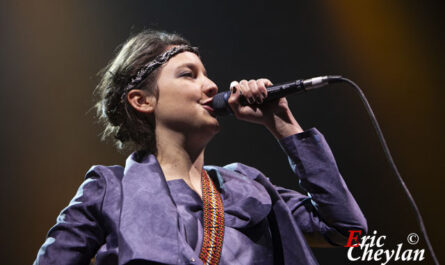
[328, 208]
[77, 235]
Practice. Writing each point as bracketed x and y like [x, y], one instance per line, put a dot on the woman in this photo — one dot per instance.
[165, 206]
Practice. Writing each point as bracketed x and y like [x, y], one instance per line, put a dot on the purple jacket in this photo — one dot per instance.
[127, 215]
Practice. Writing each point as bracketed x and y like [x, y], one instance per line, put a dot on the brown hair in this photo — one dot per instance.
[130, 129]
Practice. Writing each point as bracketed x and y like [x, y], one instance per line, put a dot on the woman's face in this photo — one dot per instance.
[185, 94]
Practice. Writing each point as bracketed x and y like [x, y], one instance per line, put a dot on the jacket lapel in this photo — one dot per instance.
[290, 247]
[148, 228]
[288, 238]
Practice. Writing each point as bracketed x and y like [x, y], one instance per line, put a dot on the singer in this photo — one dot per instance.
[166, 206]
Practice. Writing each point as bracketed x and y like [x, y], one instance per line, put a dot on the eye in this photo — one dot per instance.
[186, 74]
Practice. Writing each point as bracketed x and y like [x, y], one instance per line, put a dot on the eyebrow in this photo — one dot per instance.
[192, 66]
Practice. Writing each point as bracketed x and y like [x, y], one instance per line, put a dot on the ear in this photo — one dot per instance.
[141, 101]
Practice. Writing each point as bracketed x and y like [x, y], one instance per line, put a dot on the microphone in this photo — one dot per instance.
[221, 106]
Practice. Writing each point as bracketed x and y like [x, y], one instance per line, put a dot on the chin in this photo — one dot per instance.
[212, 126]
[215, 126]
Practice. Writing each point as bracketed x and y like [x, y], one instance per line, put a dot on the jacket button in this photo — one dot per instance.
[192, 260]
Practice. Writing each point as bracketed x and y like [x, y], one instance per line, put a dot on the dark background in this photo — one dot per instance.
[51, 51]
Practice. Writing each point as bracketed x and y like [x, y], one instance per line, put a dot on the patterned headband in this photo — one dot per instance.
[149, 67]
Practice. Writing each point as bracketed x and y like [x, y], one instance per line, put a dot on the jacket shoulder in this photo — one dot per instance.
[244, 170]
[108, 173]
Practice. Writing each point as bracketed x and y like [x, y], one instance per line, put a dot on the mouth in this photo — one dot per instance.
[207, 105]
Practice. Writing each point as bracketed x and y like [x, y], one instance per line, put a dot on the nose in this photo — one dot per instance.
[209, 87]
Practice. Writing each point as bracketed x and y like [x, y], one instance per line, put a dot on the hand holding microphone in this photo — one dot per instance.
[246, 99]
[254, 91]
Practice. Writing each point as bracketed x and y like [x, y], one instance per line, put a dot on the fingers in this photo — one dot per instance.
[254, 91]
[262, 84]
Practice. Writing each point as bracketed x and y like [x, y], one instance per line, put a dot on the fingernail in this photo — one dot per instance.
[233, 83]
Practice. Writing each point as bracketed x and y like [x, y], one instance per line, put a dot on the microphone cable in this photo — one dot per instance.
[337, 79]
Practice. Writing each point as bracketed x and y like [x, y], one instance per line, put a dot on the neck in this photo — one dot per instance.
[180, 157]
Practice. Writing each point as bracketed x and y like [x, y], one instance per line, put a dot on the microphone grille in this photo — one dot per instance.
[220, 105]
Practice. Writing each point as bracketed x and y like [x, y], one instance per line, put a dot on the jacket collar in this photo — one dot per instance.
[148, 221]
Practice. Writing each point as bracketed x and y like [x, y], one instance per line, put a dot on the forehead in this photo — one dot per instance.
[184, 59]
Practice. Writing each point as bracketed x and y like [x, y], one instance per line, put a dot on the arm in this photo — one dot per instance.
[77, 235]
[330, 210]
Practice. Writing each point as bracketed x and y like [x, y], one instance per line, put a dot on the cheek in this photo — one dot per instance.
[178, 99]
[177, 89]
[179, 93]
[177, 114]
[176, 105]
